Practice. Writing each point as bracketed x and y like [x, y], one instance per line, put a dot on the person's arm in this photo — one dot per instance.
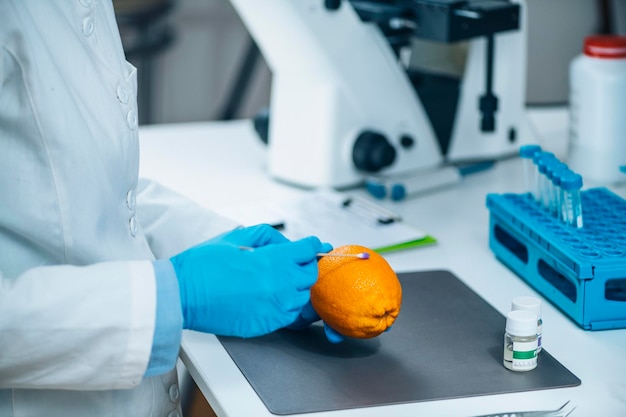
[171, 224]
[78, 328]
[168, 321]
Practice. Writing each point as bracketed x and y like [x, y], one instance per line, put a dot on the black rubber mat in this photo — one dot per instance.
[446, 343]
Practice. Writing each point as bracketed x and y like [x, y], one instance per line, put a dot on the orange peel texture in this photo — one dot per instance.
[359, 298]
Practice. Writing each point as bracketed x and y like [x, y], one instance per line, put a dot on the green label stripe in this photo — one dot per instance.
[529, 354]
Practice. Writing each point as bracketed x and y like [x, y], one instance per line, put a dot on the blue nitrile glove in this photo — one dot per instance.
[332, 335]
[231, 290]
[308, 316]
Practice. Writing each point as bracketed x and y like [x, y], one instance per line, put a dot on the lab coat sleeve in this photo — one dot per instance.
[169, 321]
[172, 222]
[78, 328]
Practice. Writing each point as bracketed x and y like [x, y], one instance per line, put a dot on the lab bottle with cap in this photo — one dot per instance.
[520, 341]
[532, 304]
[597, 131]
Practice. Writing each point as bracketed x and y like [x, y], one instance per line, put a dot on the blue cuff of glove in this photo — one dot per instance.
[169, 320]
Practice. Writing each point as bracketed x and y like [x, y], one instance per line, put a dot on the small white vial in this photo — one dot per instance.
[597, 147]
[520, 341]
[533, 305]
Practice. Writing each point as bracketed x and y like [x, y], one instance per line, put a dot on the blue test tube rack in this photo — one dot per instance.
[580, 270]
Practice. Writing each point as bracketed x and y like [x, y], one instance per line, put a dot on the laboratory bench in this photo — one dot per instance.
[223, 164]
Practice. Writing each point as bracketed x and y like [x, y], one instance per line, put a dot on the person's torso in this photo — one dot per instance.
[68, 133]
[68, 170]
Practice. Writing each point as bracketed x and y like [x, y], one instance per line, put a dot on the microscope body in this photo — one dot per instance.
[494, 80]
[342, 105]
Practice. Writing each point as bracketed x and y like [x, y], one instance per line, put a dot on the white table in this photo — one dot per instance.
[220, 164]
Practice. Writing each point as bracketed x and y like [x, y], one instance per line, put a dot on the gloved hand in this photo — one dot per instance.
[228, 290]
[308, 316]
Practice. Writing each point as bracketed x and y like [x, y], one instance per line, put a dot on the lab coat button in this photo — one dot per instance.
[131, 119]
[174, 413]
[86, 3]
[122, 94]
[131, 199]
[88, 26]
[132, 226]
[174, 393]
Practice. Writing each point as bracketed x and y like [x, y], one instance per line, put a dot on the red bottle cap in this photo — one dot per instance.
[605, 46]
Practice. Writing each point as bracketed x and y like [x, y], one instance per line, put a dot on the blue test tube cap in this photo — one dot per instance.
[559, 169]
[542, 155]
[571, 181]
[550, 165]
[528, 151]
[543, 159]
[554, 167]
[542, 165]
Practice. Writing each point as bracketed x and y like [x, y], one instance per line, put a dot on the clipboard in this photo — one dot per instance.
[337, 219]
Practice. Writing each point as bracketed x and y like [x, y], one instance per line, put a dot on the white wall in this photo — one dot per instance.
[556, 30]
[193, 76]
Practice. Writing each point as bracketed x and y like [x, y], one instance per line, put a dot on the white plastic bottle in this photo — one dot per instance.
[597, 145]
[533, 305]
[520, 341]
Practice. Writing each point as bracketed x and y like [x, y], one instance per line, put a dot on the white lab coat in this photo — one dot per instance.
[77, 229]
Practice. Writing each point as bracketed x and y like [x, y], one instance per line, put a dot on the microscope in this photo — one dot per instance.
[345, 106]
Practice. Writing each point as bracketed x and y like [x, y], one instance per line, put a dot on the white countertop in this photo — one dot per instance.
[220, 164]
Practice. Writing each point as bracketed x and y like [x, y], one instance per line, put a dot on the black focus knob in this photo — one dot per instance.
[372, 152]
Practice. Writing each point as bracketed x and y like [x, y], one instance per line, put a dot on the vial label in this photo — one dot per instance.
[521, 356]
[524, 355]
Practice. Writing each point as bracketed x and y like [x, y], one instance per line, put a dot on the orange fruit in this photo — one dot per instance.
[358, 298]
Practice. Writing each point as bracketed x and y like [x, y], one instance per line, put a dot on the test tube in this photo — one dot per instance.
[550, 187]
[554, 171]
[571, 184]
[558, 169]
[542, 159]
[527, 152]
